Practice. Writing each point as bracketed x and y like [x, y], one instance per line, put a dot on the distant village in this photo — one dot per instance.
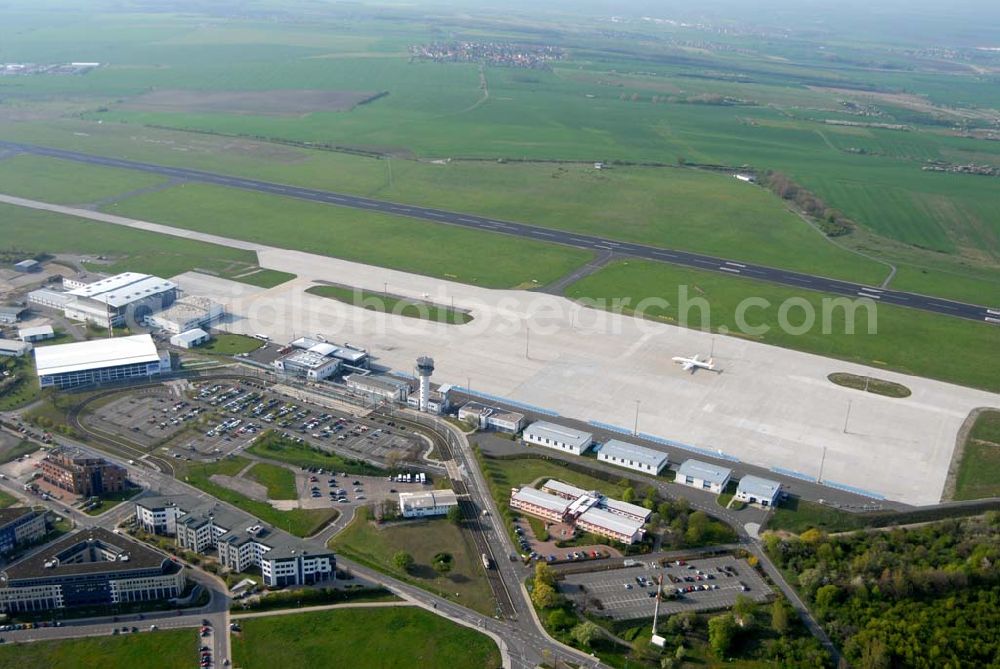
[503, 54]
[22, 69]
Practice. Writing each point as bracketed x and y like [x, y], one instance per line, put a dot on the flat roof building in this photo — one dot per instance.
[757, 490]
[20, 525]
[347, 354]
[240, 540]
[587, 510]
[29, 265]
[308, 365]
[561, 438]
[92, 567]
[51, 299]
[11, 314]
[190, 338]
[14, 348]
[38, 333]
[82, 280]
[384, 387]
[99, 361]
[632, 456]
[698, 474]
[427, 503]
[80, 473]
[187, 313]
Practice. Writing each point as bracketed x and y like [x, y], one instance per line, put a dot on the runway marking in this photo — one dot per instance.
[991, 319]
[993, 312]
[944, 306]
[468, 220]
[735, 264]
[664, 254]
[869, 295]
[729, 269]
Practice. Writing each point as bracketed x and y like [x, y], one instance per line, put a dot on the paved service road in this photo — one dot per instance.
[599, 245]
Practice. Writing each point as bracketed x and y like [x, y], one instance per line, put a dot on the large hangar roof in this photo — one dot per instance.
[95, 354]
[123, 289]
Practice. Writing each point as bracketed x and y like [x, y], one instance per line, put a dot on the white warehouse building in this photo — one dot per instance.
[632, 456]
[114, 300]
[757, 490]
[99, 361]
[427, 503]
[558, 437]
[698, 474]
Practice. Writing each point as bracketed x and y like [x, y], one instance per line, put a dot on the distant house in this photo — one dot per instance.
[632, 456]
[190, 338]
[28, 266]
[558, 437]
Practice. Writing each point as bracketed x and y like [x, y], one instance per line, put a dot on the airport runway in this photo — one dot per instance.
[597, 244]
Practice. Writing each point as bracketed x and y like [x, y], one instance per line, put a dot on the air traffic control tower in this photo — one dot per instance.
[425, 367]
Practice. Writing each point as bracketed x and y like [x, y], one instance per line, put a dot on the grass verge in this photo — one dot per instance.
[387, 304]
[870, 384]
[173, 649]
[280, 482]
[979, 471]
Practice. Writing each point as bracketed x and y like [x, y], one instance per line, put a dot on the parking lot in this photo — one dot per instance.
[317, 490]
[629, 593]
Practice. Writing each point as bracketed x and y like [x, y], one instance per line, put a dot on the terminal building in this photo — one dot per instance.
[558, 437]
[92, 567]
[378, 387]
[19, 526]
[240, 540]
[586, 510]
[77, 472]
[702, 475]
[491, 418]
[757, 490]
[311, 365]
[99, 361]
[632, 456]
[187, 313]
[427, 503]
[348, 355]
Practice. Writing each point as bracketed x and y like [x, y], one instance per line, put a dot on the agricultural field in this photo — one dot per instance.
[481, 258]
[33, 231]
[173, 649]
[857, 136]
[907, 341]
[386, 637]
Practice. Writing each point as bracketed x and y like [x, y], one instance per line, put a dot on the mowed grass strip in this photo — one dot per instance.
[412, 245]
[230, 344]
[280, 481]
[388, 304]
[375, 546]
[33, 231]
[65, 182]
[300, 522]
[906, 340]
[870, 384]
[979, 472]
[388, 638]
[173, 649]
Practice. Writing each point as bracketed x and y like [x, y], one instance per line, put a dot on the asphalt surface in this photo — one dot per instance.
[599, 245]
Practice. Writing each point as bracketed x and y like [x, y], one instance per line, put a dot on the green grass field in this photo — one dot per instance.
[387, 638]
[481, 258]
[391, 305]
[300, 522]
[280, 481]
[33, 231]
[230, 344]
[870, 385]
[6, 500]
[908, 341]
[63, 182]
[979, 471]
[173, 649]
[375, 546]
[265, 278]
[273, 447]
[111, 500]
